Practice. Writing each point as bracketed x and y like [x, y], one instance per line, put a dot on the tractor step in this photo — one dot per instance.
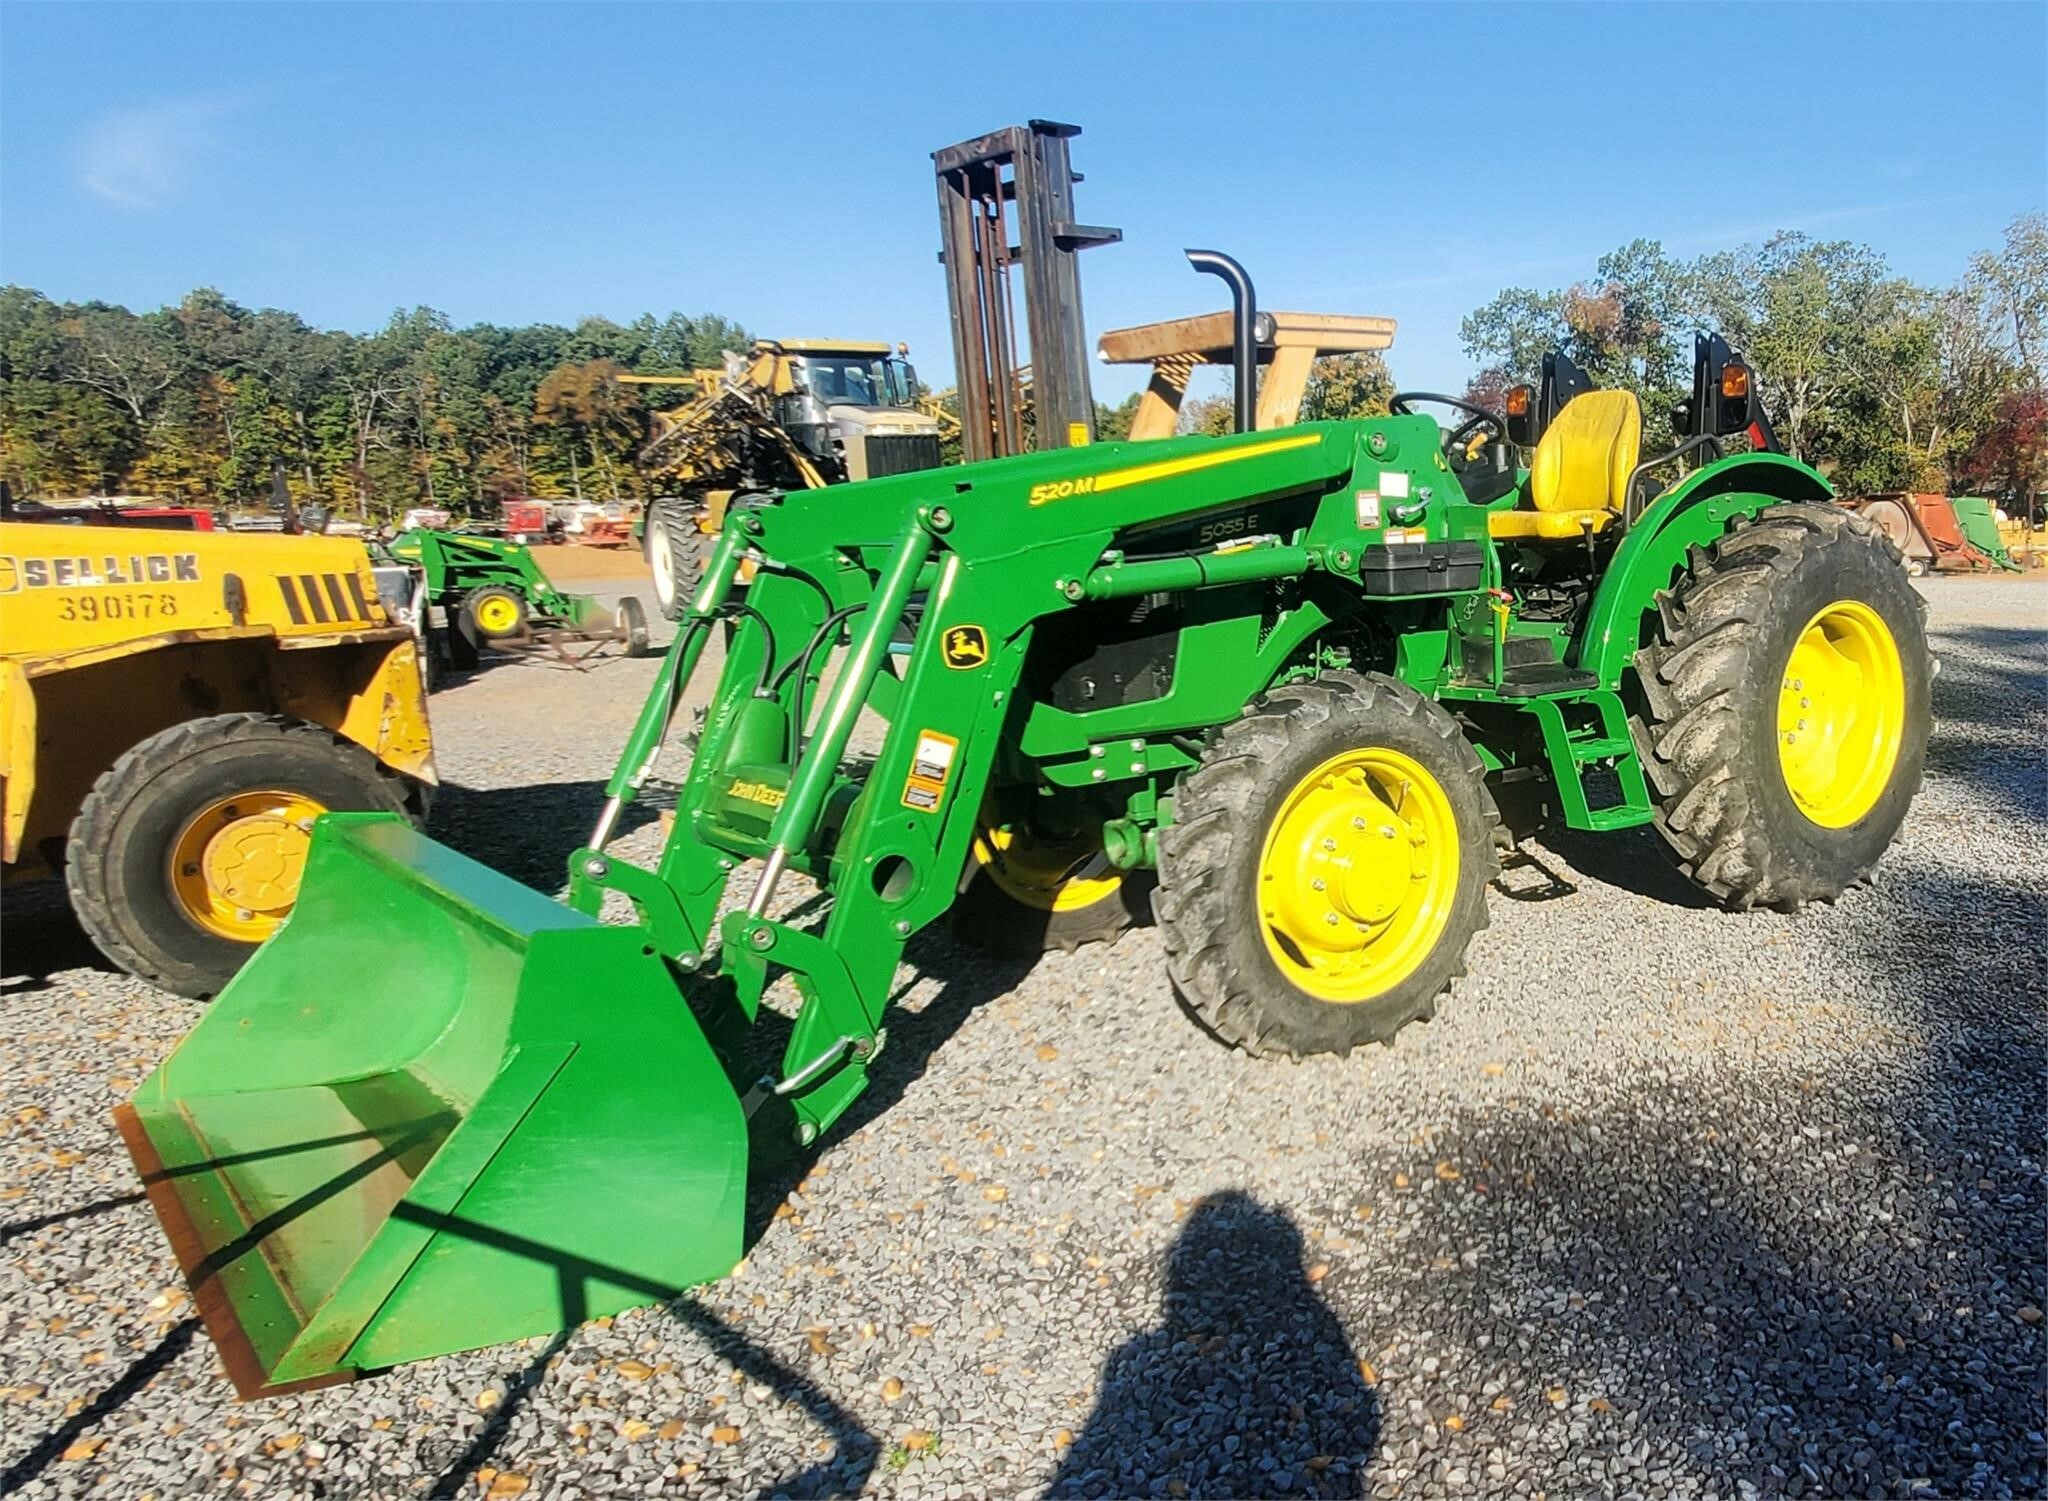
[1540, 680]
[1586, 752]
[1573, 748]
[1528, 667]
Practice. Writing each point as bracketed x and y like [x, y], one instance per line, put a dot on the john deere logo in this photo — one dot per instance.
[966, 646]
[757, 792]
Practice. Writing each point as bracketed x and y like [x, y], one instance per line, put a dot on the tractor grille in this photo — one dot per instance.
[902, 455]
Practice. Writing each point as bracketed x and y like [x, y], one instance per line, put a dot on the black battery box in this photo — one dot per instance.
[1421, 567]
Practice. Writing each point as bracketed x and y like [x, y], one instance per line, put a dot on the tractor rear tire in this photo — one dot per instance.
[675, 552]
[1773, 790]
[1261, 948]
[164, 918]
[493, 613]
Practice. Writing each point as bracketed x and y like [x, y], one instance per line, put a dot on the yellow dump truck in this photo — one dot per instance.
[175, 710]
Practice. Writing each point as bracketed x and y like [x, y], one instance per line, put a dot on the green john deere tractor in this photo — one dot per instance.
[493, 591]
[1277, 676]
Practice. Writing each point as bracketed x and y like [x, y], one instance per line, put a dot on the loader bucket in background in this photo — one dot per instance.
[436, 1110]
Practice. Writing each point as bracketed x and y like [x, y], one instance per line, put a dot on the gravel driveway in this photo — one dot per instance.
[1667, 1201]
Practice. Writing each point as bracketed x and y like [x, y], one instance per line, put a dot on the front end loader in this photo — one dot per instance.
[1277, 676]
[492, 591]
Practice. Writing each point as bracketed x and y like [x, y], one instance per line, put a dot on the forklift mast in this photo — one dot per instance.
[1018, 182]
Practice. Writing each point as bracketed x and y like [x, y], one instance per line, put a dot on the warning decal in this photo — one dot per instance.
[932, 764]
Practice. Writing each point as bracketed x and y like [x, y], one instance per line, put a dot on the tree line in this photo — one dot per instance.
[206, 401]
[1880, 383]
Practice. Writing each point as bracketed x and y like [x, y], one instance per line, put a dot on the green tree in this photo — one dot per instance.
[1113, 424]
[1347, 385]
[1796, 308]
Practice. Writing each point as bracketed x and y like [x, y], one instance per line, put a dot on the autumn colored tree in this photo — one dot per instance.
[2010, 458]
[601, 418]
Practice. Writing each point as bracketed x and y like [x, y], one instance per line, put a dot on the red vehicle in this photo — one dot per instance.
[526, 520]
[163, 518]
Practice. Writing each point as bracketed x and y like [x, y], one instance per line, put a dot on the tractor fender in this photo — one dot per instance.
[1690, 514]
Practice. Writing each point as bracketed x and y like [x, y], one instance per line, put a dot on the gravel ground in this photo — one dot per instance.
[1667, 1201]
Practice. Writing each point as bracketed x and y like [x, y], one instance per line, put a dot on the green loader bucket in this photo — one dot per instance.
[1979, 522]
[436, 1110]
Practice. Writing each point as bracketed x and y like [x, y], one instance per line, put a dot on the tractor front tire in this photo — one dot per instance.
[187, 852]
[1783, 717]
[675, 552]
[1326, 867]
[493, 613]
[1030, 894]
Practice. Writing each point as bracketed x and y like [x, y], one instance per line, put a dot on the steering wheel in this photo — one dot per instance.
[1459, 446]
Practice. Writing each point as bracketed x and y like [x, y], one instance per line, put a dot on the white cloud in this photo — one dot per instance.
[144, 157]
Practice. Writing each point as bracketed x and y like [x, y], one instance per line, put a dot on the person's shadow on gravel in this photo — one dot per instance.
[1249, 1386]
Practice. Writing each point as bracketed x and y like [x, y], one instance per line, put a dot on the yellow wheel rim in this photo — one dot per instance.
[1358, 875]
[1051, 875]
[236, 864]
[1841, 714]
[498, 613]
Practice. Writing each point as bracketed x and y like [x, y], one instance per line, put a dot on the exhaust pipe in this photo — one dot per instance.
[1244, 352]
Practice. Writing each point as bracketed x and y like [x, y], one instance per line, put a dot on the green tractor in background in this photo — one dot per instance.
[492, 591]
[1277, 681]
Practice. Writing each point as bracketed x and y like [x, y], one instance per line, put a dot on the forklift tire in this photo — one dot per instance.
[493, 613]
[631, 621]
[1026, 898]
[458, 647]
[675, 552]
[1288, 929]
[1783, 712]
[173, 873]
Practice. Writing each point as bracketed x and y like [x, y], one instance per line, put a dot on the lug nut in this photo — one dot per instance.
[1386, 831]
[1330, 918]
[1357, 823]
[1318, 884]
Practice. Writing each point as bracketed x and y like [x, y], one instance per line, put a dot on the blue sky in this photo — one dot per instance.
[510, 163]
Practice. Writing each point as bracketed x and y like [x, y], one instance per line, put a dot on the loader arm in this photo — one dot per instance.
[993, 556]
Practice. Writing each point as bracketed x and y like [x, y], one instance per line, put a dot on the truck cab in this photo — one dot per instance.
[854, 405]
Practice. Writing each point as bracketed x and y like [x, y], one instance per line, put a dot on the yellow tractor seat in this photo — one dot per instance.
[1578, 481]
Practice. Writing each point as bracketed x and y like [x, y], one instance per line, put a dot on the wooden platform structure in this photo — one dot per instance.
[1289, 345]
